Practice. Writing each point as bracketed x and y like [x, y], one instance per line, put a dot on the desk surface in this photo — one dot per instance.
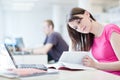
[78, 75]
[74, 75]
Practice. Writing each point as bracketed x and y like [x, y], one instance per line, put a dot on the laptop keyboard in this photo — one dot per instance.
[36, 66]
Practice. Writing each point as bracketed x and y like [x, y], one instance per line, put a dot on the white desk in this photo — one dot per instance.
[74, 75]
[77, 75]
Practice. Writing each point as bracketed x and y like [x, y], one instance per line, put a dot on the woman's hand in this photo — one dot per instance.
[89, 62]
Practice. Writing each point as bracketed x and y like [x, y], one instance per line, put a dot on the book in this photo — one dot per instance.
[71, 61]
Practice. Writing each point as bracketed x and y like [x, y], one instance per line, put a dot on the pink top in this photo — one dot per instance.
[102, 49]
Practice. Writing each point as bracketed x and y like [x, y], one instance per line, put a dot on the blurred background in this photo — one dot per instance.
[24, 18]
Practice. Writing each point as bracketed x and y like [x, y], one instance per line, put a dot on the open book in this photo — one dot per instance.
[71, 61]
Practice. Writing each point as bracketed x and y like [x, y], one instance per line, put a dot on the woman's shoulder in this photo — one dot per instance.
[111, 26]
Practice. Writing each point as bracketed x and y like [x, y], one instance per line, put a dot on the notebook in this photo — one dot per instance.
[71, 60]
[74, 57]
[23, 70]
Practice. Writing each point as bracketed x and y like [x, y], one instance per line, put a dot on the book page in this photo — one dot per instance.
[52, 71]
[73, 59]
[75, 66]
[55, 65]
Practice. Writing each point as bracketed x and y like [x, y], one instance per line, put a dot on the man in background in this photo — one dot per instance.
[54, 44]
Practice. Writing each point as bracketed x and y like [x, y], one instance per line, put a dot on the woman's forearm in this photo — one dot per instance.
[112, 66]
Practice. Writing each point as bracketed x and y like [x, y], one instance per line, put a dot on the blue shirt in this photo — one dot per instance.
[59, 45]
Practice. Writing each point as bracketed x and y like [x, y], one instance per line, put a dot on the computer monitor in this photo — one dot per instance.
[19, 44]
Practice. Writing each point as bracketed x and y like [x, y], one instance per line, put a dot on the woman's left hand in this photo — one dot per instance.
[89, 62]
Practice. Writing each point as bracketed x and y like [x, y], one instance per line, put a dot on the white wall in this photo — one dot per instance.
[25, 24]
[28, 24]
[2, 29]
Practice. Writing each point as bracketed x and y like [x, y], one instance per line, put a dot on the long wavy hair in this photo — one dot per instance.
[80, 41]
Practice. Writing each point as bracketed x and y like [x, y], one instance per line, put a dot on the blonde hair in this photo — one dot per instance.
[50, 22]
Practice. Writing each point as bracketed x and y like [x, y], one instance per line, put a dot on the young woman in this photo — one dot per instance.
[103, 40]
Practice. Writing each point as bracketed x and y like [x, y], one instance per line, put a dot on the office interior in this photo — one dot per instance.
[24, 19]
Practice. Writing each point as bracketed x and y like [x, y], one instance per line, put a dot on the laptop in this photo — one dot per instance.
[22, 70]
[19, 45]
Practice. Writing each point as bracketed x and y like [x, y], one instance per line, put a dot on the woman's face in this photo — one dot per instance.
[82, 25]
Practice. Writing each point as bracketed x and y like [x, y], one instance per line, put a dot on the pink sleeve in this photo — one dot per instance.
[112, 28]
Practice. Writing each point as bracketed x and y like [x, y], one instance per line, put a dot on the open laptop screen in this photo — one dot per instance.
[36, 66]
[10, 55]
[6, 59]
